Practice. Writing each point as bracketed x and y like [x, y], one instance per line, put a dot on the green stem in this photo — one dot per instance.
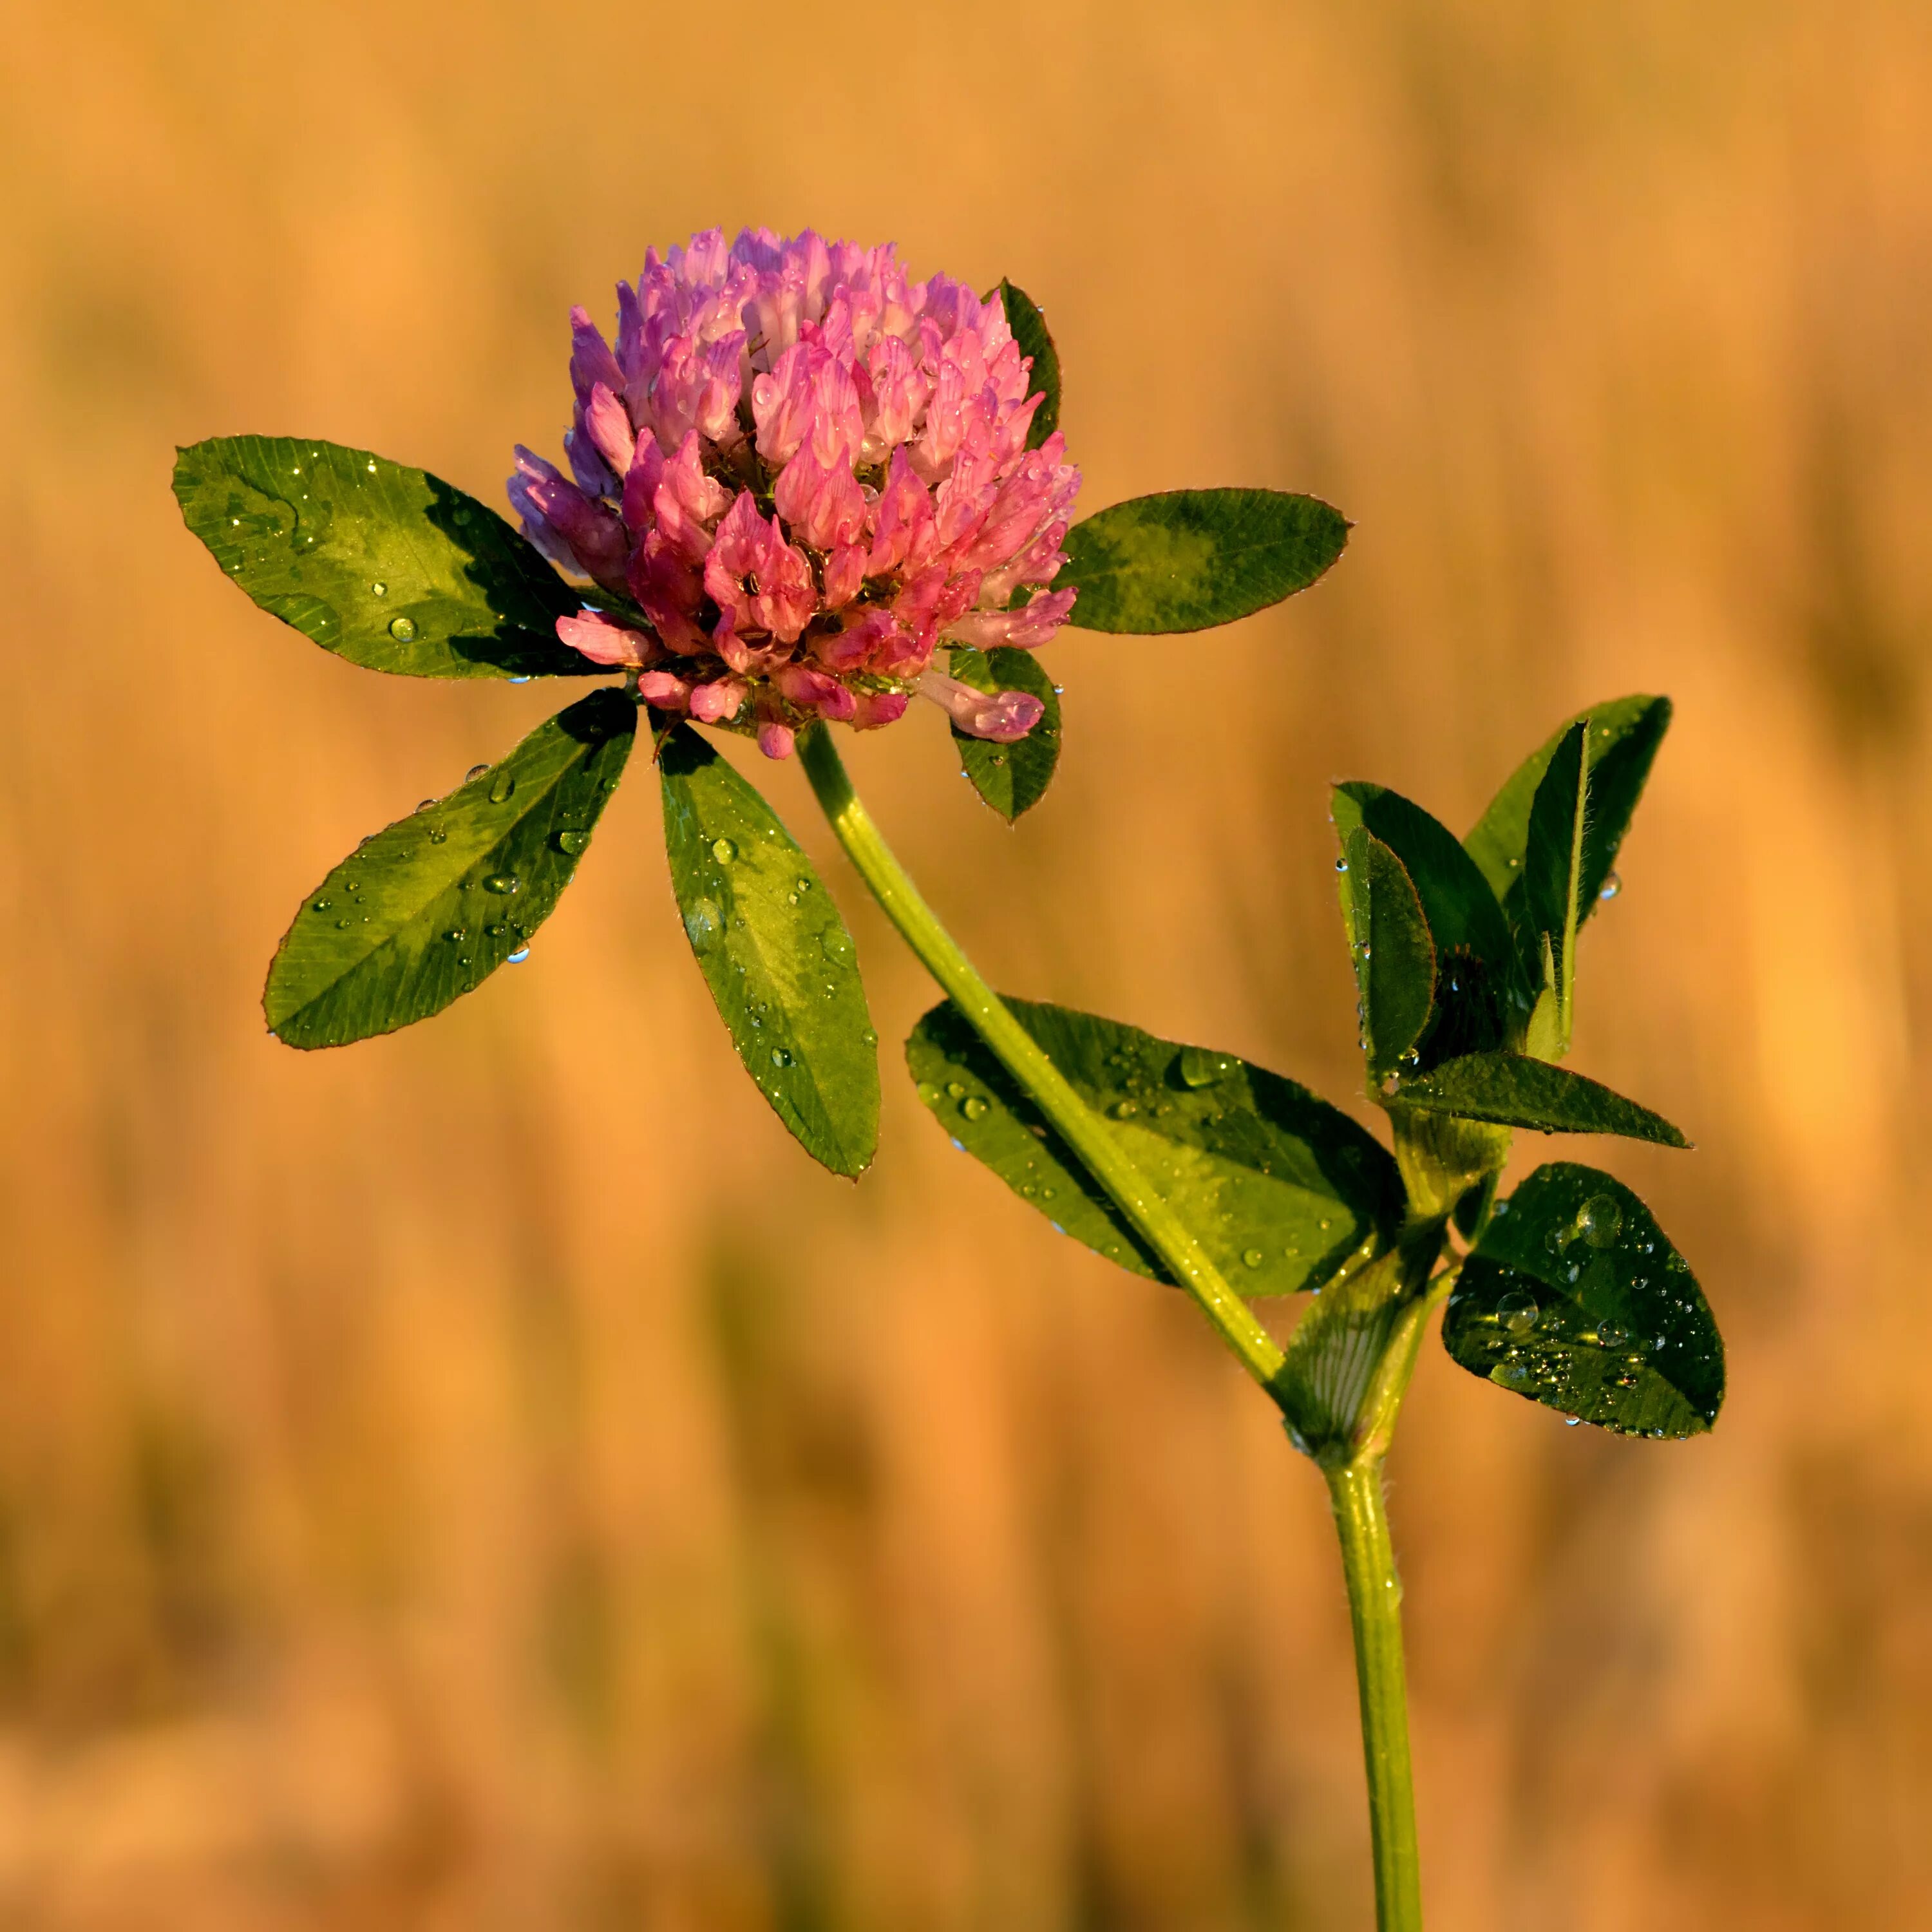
[1375, 1609]
[1099, 1150]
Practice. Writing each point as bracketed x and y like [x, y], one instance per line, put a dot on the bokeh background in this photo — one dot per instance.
[488, 1477]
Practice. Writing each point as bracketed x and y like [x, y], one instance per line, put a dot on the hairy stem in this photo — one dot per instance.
[1098, 1149]
[1375, 1609]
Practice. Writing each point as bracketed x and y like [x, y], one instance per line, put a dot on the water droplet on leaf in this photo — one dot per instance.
[501, 787]
[702, 924]
[1600, 1220]
[517, 958]
[403, 629]
[780, 1058]
[1612, 886]
[474, 772]
[570, 843]
[724, 850]
[502, 882]
[973, 1107]
[1253, 1258]
[1517, 1311]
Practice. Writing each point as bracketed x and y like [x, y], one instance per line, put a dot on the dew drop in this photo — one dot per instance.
[702, 924]
[1200, 1068]
[458, 933]
[802, 885]
[437, 835]
[1572, 1421]
[1600, 1220]
[1611, 1335]
[1517, 1311]
[1253, 1259]
[403, 629]
[474, 772]
[322, 905]
[780, 1058]
[1611, 887]
[1124, 1110]
[724, 850]
[928, 1093]
[955, 1090]
[502, 882]
[973, 1107]
[517, 958]
[570, 843]
[1341, 865]
[524, 679]
[501, 787]
[379, 590]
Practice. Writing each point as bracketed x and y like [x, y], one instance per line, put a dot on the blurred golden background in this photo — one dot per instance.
[488, 1477]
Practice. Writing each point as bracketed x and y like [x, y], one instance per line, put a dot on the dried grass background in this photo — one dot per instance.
[488, 1478]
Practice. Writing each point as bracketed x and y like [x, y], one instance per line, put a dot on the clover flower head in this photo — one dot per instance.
[798, 473]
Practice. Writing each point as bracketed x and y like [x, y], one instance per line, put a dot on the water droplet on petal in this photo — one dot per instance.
[403, 629]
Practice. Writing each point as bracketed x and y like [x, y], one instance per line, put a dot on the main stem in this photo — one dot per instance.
[1375, 1609]
[1099, 1150]
[1367, 1558]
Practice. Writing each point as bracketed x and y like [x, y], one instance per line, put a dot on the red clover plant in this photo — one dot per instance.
[796, 477]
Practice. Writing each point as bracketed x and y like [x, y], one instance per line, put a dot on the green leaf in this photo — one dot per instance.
[1575, 1298]
[1474, 951]
[1463, 914]
[781, 966]
[426, 910]
[1028, 324]
[1283, 1191]
[1012, 778]
[387, 566]
[1515, 1091]
[1389, 942]
[1624, 734]
[1191, 558]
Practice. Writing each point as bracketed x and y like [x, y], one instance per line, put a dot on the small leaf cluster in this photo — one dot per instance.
[393, 568]
[1567, 1291]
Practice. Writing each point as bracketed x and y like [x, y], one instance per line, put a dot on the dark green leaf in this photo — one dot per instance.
[1515, 1091]
[1624, 734]
[1191, 558]
[424, 911]
[1474, 962]
[1463, 912]
[1283, 1191]
[781, 965]
[1545, 903]
[384, 565]
[1574, 1298]
[1388, 940]
[1028, 324]
[1012, 778]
